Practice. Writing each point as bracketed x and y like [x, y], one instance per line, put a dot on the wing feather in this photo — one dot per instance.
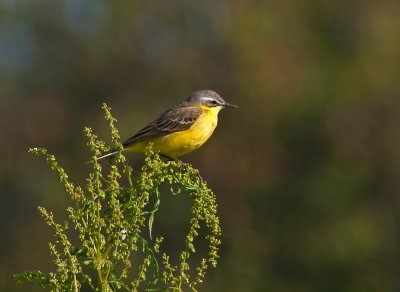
[178, 118]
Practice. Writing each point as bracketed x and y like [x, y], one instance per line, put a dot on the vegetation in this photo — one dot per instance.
[306, 172]
[106, 243]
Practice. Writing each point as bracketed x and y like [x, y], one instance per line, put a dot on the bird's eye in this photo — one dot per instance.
[214, 102]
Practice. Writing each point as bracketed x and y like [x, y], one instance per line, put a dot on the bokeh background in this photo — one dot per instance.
[307, 171]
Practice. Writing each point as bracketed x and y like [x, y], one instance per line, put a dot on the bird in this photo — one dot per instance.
[181, 129]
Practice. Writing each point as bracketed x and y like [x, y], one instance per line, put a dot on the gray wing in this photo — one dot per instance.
[178, 118]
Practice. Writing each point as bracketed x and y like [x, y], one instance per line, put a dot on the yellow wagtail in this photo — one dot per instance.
[182, 128]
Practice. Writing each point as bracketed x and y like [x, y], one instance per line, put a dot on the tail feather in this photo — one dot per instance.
[104, 156]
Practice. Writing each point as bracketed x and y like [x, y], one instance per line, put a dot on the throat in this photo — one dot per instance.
[209, 119]
[211, 111]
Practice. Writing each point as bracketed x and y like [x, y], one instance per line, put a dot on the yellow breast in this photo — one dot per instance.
[181, 143]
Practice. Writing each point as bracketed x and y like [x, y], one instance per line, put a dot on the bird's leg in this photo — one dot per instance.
[169, 158]
[183, 165]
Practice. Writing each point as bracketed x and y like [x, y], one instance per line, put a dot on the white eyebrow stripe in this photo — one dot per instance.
[209, 99]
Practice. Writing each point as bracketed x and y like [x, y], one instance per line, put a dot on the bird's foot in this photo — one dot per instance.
[182, 165]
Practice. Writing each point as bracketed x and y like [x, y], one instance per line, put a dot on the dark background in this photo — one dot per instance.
[306, 171]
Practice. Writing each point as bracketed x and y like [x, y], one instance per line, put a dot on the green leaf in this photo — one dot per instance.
[151, 220]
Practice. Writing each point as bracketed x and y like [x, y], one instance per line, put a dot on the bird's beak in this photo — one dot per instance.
[229, 105]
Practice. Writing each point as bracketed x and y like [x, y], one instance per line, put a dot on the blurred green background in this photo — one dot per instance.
[307, 171]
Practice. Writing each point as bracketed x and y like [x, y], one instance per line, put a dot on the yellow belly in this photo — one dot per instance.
[184, 142]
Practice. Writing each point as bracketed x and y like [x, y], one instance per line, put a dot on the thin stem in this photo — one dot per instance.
[100, 278]
[75, 283]
[99, 255]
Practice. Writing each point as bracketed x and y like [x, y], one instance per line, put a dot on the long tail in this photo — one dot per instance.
[104, 156]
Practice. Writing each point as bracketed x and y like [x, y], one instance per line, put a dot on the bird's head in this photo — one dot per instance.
[210, 99]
